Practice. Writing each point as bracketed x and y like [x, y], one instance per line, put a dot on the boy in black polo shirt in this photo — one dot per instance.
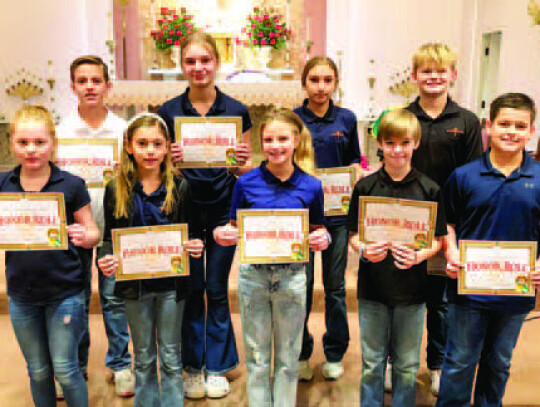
[451, 137]
[392, 277]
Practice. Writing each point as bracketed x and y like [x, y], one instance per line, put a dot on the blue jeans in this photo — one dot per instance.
[480, 338]
[388, 330]
[208, 340]
[155, 321]
[272, 308]
[334, 263]
[116, 326]
[48, 334]
[84, 340]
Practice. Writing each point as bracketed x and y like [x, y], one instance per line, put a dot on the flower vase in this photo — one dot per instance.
[262, 56]
[176, 55]
[278, 58]
[164, 58]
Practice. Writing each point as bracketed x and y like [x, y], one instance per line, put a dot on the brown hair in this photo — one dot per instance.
[316, 61]
[304, 155]
[434, 53]
[89, 60]
[398, 123]
[518, 101]
[200, 38]
[128, 176]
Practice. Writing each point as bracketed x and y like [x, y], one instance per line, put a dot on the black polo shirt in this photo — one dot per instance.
[451, 140]
[209, 186]
[384, 282]
[47, 275]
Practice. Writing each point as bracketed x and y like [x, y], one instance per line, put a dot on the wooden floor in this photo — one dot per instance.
[523, 387]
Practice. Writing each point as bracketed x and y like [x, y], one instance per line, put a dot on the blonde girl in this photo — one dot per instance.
[272, 297]
[148, 191]
[208, 342]
[45, 287]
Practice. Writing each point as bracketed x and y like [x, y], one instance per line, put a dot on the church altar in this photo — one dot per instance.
[145, 94]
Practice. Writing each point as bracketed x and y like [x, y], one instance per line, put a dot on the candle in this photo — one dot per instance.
[110, 34]
[308, 23]
[50, 69]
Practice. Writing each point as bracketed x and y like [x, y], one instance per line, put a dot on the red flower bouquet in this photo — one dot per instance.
[173, 27]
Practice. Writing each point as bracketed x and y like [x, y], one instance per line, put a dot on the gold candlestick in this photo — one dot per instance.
[533, 10]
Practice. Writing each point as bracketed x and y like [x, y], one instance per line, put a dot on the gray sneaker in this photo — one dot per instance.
[332, 370]
[305, 373]
[124, 383]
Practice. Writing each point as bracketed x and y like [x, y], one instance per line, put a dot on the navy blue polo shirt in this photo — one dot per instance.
[335, 141]
[483, 204]
[147, 212]
[209, 186]
[260, 189]
[47, 275]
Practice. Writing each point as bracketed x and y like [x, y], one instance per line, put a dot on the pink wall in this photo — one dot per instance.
[133, 49]
[317, 10]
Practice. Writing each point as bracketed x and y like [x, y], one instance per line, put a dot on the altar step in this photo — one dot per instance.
[318, 291]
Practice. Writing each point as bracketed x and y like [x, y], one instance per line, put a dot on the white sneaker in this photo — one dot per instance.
[435, 381]
[217, 386]
[124, 383]
[305, 373]
[388, 378]
[332, 370]
[59, 391]
[194, 385]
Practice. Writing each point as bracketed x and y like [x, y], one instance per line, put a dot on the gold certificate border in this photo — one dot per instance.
[213, 119]
[365, 200]
[101, 141]
[338, 170]
[142, 274]
[465, 244]
[39, 196]
[243, 213]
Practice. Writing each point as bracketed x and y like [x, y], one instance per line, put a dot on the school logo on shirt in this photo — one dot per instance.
[455, 131]
[337, 134]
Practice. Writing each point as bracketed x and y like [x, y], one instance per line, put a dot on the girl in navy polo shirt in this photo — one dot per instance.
[335, 140]
[147, 192]
[208, 341]
[45, 287]
[272, 297]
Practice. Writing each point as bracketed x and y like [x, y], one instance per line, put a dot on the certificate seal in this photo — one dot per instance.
[296, 249]
[176, 265]
[420, 240]
[345, 200]
[54, 237]
[230, 156]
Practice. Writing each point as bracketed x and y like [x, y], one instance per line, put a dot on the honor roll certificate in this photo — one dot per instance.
[399, 221]
[273, 236]
[33, 221]
[337, 185]
[496, 268]
[151, 252]
[92, 160]
[208, 141]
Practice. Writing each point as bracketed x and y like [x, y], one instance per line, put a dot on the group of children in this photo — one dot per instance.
[186, 320]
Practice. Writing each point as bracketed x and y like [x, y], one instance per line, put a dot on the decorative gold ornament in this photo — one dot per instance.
[25, 85]
[533, 10]
[403, 84]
